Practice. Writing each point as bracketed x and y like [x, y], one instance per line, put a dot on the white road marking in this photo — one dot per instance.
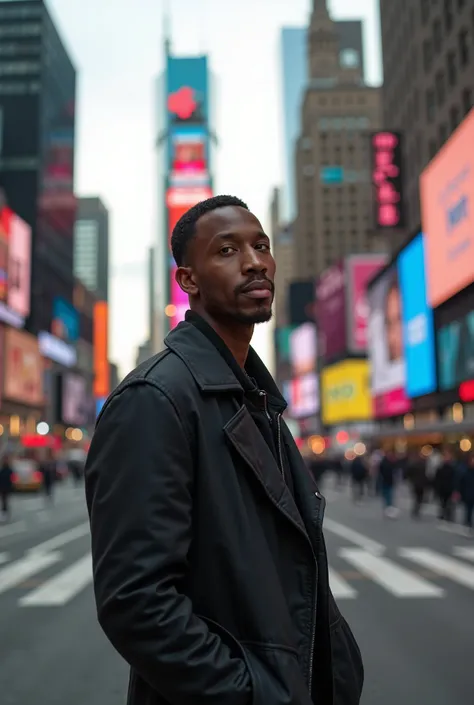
[17, 528]
[442, 565]
[464, 552]
[450, 528]
[354, 537]
[62, 587]
[397, 580]
[62, 539]
[25, 568]
[340, 588]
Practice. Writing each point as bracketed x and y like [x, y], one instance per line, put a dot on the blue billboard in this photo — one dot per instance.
[65, 323]
[418, 324]
[187, 96]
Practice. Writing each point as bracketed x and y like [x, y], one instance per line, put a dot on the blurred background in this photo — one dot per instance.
[348, 128]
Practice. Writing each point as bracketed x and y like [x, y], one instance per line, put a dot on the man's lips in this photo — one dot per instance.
[258, 290]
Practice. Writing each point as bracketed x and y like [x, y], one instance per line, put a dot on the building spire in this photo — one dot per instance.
[167, 28]
[323, 43]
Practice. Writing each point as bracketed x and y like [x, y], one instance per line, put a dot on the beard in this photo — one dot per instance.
[262, 316]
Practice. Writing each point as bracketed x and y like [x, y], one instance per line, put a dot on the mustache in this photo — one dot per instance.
[240, 289]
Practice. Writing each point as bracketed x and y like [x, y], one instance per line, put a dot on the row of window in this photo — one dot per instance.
[16, 12]
[18, 49]
[435, 98]
[29, 29]
[449, 10]
[340, 123]
[20, 88]
[19, 68]
[432, 49]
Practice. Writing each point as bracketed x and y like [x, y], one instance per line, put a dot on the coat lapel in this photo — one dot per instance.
[247, 440]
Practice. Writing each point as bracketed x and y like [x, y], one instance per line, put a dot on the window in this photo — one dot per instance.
[430, 105]
[437, 36]
[443, 134]
[427, 54]
[454, 116]
[425, 10]
[452, 69]
[432, 148]
[440, 87]
[464, 47]
[18, 68]
[448, 15]
[467, 102]
[20, 30]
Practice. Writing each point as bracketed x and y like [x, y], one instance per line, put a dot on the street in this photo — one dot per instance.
[406, 588]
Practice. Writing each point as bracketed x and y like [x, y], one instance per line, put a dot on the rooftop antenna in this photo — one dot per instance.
[167, 27]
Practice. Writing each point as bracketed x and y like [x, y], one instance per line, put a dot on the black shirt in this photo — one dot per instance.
[258, 402]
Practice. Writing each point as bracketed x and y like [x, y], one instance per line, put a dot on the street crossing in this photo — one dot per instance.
[45, 576]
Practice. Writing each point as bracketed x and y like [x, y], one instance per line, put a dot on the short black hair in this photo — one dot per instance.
[185, 228]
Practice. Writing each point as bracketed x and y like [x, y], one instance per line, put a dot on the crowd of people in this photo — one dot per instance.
[441, 477]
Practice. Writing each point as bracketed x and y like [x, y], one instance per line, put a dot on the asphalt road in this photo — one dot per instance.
[407, 589]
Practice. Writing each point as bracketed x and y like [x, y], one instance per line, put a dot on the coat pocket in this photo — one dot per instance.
[276, 674]
[348, 668]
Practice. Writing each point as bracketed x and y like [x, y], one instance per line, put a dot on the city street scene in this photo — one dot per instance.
[236, 441]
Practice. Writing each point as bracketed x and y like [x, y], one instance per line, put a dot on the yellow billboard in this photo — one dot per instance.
[345, 392]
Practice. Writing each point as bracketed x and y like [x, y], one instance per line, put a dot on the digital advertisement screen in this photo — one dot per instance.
[418, 324]
[387, 179]
[303, 349]
[447, 215]
[455, 343]
[65, 323]
[101, 350]
[15, 268]
[386, 346]
[187, 90]
[23, 380]
[345, 392]
[189, 157]
[302, 396]
[75, 403]
[360, 270]
[331, 311]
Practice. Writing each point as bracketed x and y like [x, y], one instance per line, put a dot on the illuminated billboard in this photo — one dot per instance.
[345, 392]
[387, 180]
[188, 154]
[447, 215]
[15, 268]
[101, 350]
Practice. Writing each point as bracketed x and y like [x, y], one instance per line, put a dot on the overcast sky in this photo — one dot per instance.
[116, 46]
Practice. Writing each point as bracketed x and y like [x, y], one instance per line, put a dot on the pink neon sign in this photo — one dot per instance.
[386, 178]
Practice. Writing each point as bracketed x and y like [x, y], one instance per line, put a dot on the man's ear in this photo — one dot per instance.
[185, 279]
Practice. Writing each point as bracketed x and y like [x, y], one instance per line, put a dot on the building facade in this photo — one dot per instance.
[428, 66]
[91, 246]
[284, 254]
[333, 181]
[294, 71]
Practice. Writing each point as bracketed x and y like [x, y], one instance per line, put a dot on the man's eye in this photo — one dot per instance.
[227, 250]
[263, 246]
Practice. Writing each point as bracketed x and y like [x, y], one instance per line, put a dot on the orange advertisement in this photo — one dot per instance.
[101, 350]
[23, 368]
[447, 215]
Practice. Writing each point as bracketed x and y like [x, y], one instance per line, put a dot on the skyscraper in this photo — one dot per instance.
[91, 246]
[184, 147]
[37, 106]
[429, 86]
[294, 68]
[334, 195]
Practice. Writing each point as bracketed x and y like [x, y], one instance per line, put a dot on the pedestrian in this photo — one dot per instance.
[359, 478]
[47, 468]
[445, 486]
[6, 487]
[417, 477]
[210, 568]
[467, 494]
[388, 469]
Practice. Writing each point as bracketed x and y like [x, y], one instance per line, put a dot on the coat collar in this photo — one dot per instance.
[210, 370]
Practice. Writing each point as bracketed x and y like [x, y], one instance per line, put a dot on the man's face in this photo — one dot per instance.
[231, 269]
[393, 322]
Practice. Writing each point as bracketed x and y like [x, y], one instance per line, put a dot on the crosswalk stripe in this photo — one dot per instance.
[394, 578]
[442, 565]
[464, 552]
[340, 588]
[62, 539]
[63, 587]
[25, 568]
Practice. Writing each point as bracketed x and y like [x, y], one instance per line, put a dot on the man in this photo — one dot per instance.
[210, 569]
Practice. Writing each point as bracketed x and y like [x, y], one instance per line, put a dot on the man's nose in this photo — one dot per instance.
[253, 261]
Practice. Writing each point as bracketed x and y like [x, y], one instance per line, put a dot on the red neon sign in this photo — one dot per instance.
[466, 391]
[386, 178]
[182, 103]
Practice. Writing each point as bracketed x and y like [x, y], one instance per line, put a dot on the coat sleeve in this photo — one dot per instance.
[139, 477]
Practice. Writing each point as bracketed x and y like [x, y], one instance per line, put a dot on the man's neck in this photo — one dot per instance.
[236, 336]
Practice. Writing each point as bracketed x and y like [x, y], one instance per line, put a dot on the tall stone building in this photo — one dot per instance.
[284, 254]
[428, 65]
[332, 161]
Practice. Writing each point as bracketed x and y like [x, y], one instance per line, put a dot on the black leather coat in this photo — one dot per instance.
[207, 577]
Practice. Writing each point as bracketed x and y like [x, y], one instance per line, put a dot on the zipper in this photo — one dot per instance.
[263, 396]
[318, 496]
[280, 454]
